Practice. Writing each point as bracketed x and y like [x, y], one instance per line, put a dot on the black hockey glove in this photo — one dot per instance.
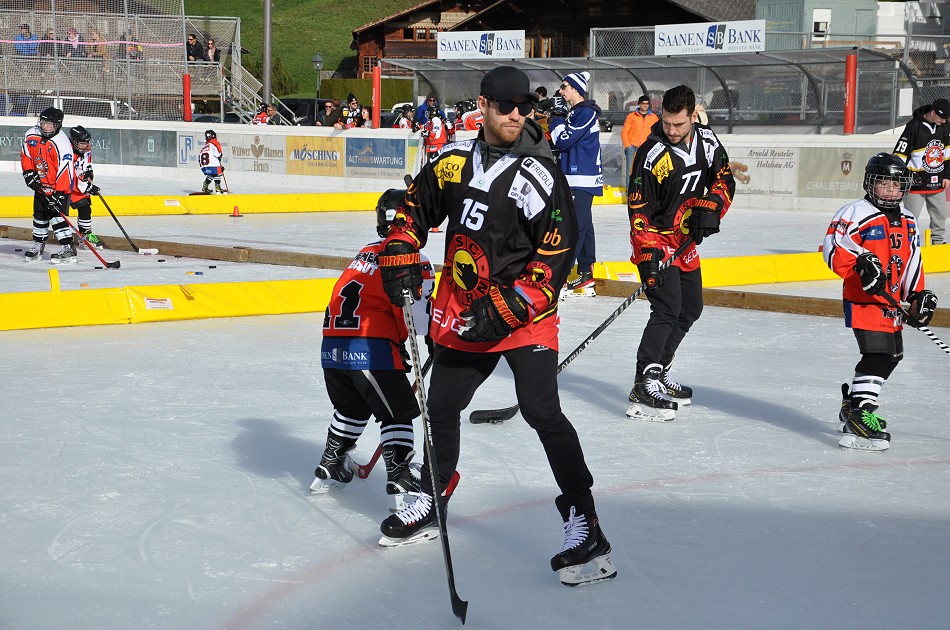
[88, 175]
[400, 268]
[558, 106]
[704, 219]
[494, 316]
[56, 203]
[649, 267]
[873, 280]
[32, 180]
[922, 306]
[93, 190]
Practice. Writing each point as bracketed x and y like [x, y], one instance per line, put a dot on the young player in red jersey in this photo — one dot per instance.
[209, 160]
[467, 116]
[436, 133]
[82, 183]
[46, 158]
[873, 244]
[365, 365]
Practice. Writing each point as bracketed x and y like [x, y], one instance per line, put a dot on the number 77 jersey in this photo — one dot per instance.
[665, 179]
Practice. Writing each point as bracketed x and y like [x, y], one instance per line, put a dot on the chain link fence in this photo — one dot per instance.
[126, 64]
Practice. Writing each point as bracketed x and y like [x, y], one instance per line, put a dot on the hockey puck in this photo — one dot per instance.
[161, 260]
[98, 267]
[18, 249]
[212, 266]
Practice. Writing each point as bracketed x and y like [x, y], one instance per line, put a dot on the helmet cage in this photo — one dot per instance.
[884, 167]
[386, 208]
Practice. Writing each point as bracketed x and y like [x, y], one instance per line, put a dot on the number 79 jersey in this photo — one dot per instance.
[362, 328]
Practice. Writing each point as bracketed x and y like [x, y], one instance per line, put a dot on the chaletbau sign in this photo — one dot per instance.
[480, 45]
[708, 38]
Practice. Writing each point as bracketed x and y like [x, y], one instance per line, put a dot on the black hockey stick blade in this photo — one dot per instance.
[497, 416]
[493, 416]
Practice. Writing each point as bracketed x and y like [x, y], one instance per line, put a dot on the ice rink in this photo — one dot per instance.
[156, 476]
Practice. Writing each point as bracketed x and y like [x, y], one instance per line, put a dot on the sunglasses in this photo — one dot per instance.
[564, 86]
[506, 107]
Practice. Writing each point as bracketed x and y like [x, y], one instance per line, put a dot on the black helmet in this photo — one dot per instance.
[53, 115]
[433, 112]
[386, 208]
[79, 134]
[886, 167]
[209, 134]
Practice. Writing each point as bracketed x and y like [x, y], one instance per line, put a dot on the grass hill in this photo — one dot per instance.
[300, 30]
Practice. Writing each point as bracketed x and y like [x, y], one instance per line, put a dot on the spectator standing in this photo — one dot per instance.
[680, 187]
[97, 47]
[74, 46]
[636, 128]
[503, 198]
[924, 146]
[336, 112]
[350, 114]
[212, 53]
[267, 115]
[193, 49]
[25, 43]
[47, 47]
[366, 114]
[542, 93]
[422, 112]
[577, 140]
[321, 116]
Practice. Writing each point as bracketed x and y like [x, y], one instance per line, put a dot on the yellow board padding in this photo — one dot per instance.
[612, 195]
[138, 304]
[768, 269]
[154, 205]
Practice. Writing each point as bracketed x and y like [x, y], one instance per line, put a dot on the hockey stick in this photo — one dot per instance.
[89, 246]
[227, 188]
[459, 607]
[496, 416]
[144, 252]
[914, 323]
[363, 470]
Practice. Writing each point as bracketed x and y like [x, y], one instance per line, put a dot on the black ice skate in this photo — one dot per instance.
[35, 252]
[336, 467]
[681, 394]
[648, 399]
[66, 255]
[416, 522]
[584, 543]
[402, 476]
[864, 429]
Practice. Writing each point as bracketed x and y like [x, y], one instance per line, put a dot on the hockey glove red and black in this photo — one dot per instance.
[873, 280]
[400, 269]
[649, 266]
[32, 180]
[922, 306]
[493, 316]
[93, 190]
[704, 219]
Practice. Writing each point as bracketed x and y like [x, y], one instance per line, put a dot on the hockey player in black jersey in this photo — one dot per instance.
[510, 244]
[680, 186]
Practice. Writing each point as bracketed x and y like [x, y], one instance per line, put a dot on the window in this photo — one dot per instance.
[421, 34]
[432, 33]
[407, 33]
[369, 62]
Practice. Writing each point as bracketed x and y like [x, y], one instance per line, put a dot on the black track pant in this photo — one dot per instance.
[455, 377]
[674, 306]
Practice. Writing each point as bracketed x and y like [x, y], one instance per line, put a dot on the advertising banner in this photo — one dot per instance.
[309, 155]
[255, 153]
[480, 45]
[372, 157]
[709, 38]
[11, 140]
[765, 170]
[834, 172]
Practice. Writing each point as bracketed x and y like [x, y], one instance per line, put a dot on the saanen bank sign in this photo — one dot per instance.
[481, 45]
[699, 39]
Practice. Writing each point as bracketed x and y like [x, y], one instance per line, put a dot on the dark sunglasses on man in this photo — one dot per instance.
[506, 107]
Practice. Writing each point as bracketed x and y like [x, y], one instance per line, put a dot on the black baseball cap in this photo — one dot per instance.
[506, 83]
[941, 107]
[643, 99]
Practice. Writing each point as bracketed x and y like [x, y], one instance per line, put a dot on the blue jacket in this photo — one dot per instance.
[578, 140]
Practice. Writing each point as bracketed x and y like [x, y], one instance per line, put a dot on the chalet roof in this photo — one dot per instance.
[389, 18]
[720, 10]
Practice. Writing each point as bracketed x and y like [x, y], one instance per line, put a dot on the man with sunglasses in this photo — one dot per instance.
[924, 146]
[510, 241]
[577, 140]
[194, 49]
